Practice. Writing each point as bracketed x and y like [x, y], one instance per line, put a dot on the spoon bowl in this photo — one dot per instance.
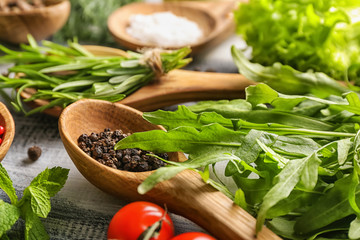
[210, 24]
[41, 23]
[87, 116]
[185, 194]
[7, 121]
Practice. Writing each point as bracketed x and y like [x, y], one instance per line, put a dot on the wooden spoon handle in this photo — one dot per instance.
[180, 86]
[186, 194]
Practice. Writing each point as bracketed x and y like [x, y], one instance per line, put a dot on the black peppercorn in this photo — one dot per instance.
[100, 146]
[34, 153]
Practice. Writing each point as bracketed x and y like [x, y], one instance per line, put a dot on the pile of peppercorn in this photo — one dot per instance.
[100, 146]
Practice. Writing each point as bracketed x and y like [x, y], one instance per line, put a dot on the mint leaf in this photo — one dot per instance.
[51, 179]
[40, 201]
[35, 202]
[7, 185]
[9, 214]
[44, 186]
[34, 229]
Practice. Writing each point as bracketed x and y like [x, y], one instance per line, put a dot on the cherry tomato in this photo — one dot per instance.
[193, 236]
[2, 130]
[134, 218]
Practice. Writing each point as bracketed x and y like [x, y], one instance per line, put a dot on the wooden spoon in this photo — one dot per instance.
[186, 194]
[213, 18]
[7, 121]
[178, 86]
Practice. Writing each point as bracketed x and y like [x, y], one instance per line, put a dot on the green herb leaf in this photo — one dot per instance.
[9, 215]
[333, 206]
[354, 231]
[284, 184]
[287, 80]
[186, 139]
[39, 199]
[52, 180]
[306, 35]
[34, 229]
[184, 117]
[64, 74]
[6, 185]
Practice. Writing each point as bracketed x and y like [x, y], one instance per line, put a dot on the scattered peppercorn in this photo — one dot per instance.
[100, 146]
[34, 153]
[2, 131]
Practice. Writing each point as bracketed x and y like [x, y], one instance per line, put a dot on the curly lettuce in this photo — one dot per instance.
[318, 35]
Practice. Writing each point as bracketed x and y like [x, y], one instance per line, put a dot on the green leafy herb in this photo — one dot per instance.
[93, 28]
[287, 80]
[34, 204]
[62, 75]
[297, 173]
[319, 35]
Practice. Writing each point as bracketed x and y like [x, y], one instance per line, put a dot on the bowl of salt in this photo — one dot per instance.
[167, 25]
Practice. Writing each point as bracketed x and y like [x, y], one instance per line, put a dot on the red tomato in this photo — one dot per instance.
[193, 236]
[134, 218]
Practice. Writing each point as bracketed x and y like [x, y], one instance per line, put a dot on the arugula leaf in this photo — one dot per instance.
[184, 117]
[354, 231]
[186, 139]
[300, 170]
[333, 206]
[284, 184]
[170, 171]
[226, 108]
[287, 80]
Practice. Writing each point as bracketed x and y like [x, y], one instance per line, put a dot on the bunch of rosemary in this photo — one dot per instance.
[65, 74]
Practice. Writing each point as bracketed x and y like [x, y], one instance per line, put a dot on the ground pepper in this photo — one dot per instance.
[100, 146]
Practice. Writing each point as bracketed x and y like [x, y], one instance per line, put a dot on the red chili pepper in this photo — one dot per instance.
[2, 130]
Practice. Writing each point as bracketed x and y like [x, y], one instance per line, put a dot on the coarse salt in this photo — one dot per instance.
[164, 29]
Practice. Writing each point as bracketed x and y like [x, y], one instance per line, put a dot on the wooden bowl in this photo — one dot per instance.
[207, 21]
[185, 194]
[40, 22]
[7, 121]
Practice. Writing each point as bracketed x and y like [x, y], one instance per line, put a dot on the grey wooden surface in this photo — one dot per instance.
[80, 210]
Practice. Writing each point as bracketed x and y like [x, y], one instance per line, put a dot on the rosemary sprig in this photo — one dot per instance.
[64, 74]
